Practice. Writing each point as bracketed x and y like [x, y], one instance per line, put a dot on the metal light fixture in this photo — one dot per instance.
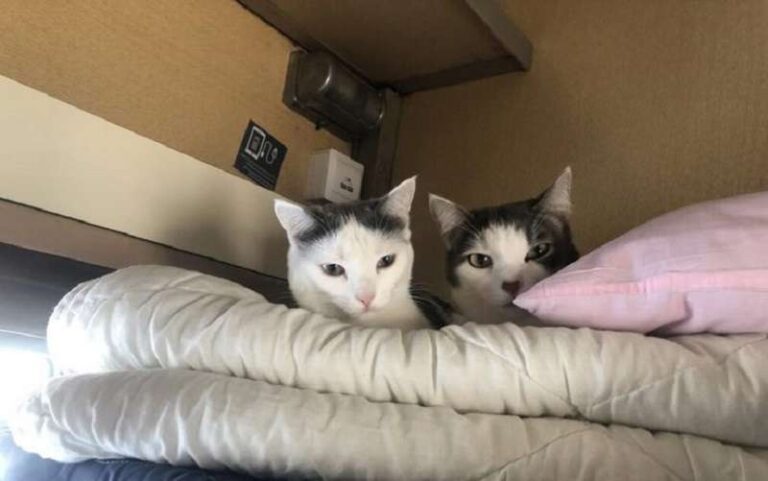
[322, 89]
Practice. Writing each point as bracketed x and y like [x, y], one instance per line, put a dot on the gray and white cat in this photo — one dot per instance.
[495, 253]
[353, 261]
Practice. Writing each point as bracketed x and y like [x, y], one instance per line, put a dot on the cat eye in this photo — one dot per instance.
[480, 261]
[333, 270]
[538, 251]
[386, 261]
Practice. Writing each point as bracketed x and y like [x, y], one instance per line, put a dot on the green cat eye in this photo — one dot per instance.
[333, 270]
[385, 261]
[480, 261]
[538, 251]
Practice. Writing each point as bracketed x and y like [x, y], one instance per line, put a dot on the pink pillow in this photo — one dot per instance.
[703, 268]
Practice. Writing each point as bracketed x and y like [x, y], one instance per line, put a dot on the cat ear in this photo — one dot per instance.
[398, 201]
[293, 217]
[557, 199]
[447, 214]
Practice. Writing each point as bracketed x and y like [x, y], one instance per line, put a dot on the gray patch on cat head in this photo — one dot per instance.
[328, 219]
[543, 218]
[387, 215]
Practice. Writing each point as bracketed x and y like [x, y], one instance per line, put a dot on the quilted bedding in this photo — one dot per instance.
[266, 388]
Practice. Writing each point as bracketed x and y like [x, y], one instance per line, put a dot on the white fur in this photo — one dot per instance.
[292, 217]
[399, 200]
[358, 250]
[479, 295]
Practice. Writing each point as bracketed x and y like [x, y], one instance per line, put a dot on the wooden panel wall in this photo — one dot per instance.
[187, 73]
[655, 104]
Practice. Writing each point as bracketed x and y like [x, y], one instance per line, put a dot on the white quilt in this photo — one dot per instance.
[289, 391]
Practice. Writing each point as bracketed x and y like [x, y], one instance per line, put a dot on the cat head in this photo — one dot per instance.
[349, 261]
[494, 253]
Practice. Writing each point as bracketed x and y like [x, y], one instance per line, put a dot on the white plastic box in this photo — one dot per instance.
[334, 177]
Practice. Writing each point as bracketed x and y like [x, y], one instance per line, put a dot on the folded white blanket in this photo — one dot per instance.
[471, 378]
[147, 317]
[214, 421]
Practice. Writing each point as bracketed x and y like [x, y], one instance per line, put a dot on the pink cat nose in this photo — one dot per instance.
[511, 288]
[366, 298]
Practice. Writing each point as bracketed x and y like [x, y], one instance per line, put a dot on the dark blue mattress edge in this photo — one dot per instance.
[19, 465]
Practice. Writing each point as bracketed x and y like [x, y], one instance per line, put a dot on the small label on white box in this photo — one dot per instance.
[334, 177]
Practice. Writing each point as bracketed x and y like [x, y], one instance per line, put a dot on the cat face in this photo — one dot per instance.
[350, 261]
[497, 252]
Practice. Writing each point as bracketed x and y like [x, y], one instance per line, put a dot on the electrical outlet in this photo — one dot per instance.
[334, 177]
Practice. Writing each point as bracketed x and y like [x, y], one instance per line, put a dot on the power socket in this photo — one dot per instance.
[334, 177]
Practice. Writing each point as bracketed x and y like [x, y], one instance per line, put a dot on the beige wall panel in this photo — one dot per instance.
[63, 160]
[655, 104]
[187, 73]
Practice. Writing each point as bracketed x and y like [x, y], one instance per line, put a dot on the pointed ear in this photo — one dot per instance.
[557, 199]
[293, 217]
[398, 201]
[447, 214]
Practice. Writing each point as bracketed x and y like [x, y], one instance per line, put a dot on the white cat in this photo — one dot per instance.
[495, 253]
[353, 261]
